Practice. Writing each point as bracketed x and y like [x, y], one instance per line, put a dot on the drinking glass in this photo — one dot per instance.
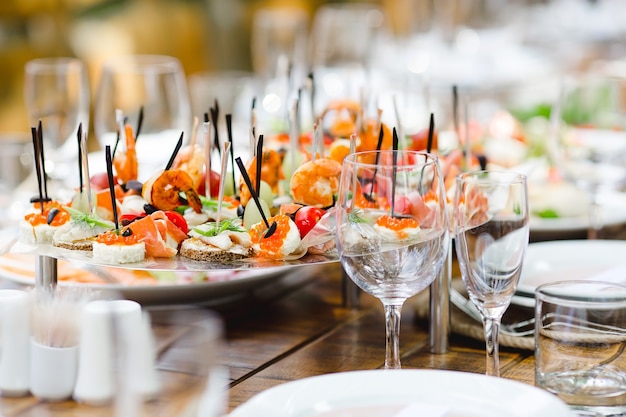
[491, 231]
[580, 335]
[154, 83]
[56, 92]
[589, 140]
[392, 229]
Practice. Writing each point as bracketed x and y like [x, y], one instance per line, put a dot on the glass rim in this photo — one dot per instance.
[52, 64]
[475, 176]
[431, 158]
[136, 63]
[550, 292]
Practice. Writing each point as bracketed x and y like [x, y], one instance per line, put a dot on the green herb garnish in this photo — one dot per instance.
[207, 203]
[547, 214]
[354, 216]
[91, 221]
[212, 229]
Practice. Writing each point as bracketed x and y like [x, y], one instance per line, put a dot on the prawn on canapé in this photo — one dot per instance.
[125, 163]
[163, 190]
[192, 160]
[271, 173]
[315, 183]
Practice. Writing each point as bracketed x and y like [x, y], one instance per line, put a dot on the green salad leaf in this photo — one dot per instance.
[213, 230]
[91, 220]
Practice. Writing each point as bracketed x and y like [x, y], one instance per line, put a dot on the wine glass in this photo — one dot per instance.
[491, 231]
[154, 84]
[589, 140]
[392, 229]
[56, 92]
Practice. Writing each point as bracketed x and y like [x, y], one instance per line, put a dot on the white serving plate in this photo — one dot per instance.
[403, 393]
[612, 212]
[562, 260]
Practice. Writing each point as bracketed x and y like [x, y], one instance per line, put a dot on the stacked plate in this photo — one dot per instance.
[565, 260]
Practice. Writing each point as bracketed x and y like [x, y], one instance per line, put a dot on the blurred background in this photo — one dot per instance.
[436, 37]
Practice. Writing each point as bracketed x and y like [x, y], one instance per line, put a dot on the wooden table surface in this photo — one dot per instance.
[298, 327]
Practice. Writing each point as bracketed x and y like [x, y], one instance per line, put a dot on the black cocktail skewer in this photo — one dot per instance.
[79, 136]
[379, 145]
[37, 166]
[109, 163]
[179, 144]
[271, 228]
[394, 171]
[431, 131]
[259, 164]
[44, 177]
[229, 131]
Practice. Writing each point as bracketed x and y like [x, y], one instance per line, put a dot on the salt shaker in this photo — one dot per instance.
[15, 309]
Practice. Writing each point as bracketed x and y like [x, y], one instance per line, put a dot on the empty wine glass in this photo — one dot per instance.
[155, 84]
[392, 229]
[56, 92]
[491, 231]
[589, 141]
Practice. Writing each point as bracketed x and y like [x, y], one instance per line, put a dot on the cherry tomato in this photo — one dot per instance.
[215, 184]
[100, 181]
[419, 141]
[306, 218]
[178, 220]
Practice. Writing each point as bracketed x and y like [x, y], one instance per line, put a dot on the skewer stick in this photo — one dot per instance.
[109, 163]
[85, 169]
[44, 177]
[207, 156]
[79, 135]
[259, 164]
[194, 133]
[220, 198]
[37, 165]
[179, 144]
[229, 130]
[431, 132]
[139, 124]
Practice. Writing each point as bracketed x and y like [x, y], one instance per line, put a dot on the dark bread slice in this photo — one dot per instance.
[86, 245]
[194, 248]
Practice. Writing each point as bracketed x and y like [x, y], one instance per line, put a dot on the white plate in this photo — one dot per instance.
[602, 260]
[403, 393]
[613, 212]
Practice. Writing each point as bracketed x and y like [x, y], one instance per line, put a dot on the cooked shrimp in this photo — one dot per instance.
[346, 114]
[191, 159]
[125, 163]
[164, 188]
[315, 183]
[271, 173]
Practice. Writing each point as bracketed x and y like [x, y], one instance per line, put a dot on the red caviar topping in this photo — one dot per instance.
[39, 217]
[112, 237]
[271, 247]
[397, 224]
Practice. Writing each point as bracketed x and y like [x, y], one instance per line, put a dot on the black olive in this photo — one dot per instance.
[149, 208]
[134, 185]
[127, 232]
[240, 210]
[52, 214]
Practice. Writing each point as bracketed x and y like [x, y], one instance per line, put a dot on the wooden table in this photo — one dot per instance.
[298, 327]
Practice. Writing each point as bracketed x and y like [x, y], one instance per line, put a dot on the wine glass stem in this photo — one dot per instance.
[594, 217]
[392, 345]
[492, 332]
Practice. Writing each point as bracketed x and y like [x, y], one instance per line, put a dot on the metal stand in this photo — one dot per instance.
[439, 323]
[45, 273]
[349, 291]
